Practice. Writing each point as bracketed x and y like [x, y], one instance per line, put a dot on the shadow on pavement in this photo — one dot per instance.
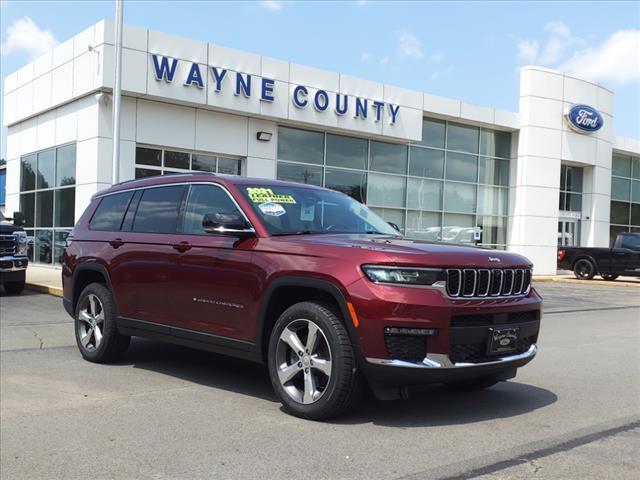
[427, 406]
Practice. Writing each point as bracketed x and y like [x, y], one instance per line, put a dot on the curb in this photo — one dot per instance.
[575, 281]
[42, 288]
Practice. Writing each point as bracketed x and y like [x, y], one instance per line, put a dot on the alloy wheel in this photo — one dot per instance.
[584, 269]
[91, 323]
[303, 359]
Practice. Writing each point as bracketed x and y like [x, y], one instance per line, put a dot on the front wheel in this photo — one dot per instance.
[584, 269]
[312, 363]
[609, 276]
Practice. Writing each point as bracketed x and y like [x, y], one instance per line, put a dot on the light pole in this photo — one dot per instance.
[117, 91]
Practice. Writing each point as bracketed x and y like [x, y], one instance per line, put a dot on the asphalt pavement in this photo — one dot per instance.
[171, 412]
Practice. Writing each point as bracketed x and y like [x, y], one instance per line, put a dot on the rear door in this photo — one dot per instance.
[141, 261]
[627, 255]
[212, 277]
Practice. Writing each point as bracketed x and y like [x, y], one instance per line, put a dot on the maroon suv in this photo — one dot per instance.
[305, 279]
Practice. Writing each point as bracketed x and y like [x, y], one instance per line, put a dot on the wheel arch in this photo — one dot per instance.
[86, 273]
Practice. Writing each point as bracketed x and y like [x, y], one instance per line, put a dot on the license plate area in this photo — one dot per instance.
[502, 341]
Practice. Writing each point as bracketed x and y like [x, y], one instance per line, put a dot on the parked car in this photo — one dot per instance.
[304, 279]
[13, 253]
[622, 259]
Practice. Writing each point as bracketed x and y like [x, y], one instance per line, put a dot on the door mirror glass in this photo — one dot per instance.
[225, 222]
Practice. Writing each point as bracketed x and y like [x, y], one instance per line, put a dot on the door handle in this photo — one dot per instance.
[182, 246]
[117, 242]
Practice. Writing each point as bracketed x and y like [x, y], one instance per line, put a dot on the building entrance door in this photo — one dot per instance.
[569, 233]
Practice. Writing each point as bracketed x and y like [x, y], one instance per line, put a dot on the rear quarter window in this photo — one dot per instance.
[109, 214]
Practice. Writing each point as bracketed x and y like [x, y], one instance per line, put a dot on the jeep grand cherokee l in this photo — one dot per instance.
[302, 278]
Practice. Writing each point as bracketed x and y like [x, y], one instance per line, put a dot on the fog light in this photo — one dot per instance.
[411, 331]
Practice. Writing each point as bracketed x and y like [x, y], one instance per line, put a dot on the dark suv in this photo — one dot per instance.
[304, 279]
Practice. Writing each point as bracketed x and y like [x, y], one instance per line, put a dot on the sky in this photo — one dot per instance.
[465, 50]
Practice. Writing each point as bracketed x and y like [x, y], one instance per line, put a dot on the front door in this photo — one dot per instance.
[569, 233]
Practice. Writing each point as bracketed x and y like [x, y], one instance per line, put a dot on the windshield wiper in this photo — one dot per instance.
[301, 232]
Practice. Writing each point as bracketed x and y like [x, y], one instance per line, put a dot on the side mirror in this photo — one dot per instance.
[226, 222]
[395, 226]
[19, 219]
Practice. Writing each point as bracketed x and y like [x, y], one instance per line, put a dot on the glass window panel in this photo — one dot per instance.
[28, 173]
[494, 172]
[352, 183]
[386, 190]
[574, 202]
[458, 228]
[424, 194]
[147, 172]
[492, 200]
[346, 152]
[635, 168]
[635, 214]
[292, 172]
[463, 138]
[459, 197]
[574, 179]
[424, 225]
[495, 144]
[43, 246]
[494, 230]
[30, 244]
[389, 158]
[46, 169]
[60, 237]
[44, 209]
[27, 206]
[620, 213]
[149, 156]
[620, 188]
[203, 200]
[176, 160]
[391, 215]
[425, 162]
[65, 199]
[462, 167]
[229, 166]
[635, 191]
[563, 177]
[203, 163]
[158, 210]
[300, 145]
[108, 215]
[66, 166]
[433, 132]
[621, 165]
[614, 231]
[563, 201]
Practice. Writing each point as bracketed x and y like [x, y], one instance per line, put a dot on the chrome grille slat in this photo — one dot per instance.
[488, 283]
[7, 245]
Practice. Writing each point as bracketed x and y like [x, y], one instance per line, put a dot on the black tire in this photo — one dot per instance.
[112, 345]
[14, 288]
[584, 269]
[342, 388]
[473, 384]
[609, 276]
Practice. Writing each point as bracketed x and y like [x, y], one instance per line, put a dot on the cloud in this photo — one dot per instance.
[550, 50]
[23, 35]
[384, 60]
[528, 51]
[616, 60]
[365, 56]
[273, 5]
[409, 46]
[436, 57]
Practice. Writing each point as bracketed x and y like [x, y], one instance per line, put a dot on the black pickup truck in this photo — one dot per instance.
[13, 253]
[609, 263]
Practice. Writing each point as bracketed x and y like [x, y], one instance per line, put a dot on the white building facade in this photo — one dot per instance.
[439, 168]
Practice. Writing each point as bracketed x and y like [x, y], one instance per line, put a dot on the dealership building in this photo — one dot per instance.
[441, 169]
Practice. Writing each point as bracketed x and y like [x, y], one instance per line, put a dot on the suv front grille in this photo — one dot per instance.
[483, 282]
[406, 347]
[477, 352]
[491, 319]
[7, 245]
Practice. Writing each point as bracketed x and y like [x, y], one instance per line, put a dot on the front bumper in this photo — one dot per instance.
[12, 263]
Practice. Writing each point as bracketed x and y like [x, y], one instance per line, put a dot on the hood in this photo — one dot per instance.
[7, 228]
[420, 252]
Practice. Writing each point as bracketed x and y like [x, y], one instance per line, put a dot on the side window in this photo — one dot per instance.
[108, 216]
[631, 242]
[205, 199]
[158, 210]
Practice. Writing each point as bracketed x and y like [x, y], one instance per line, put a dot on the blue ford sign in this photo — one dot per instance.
[584, 119]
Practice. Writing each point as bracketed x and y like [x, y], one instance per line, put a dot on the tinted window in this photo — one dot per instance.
[109, 213]
[158, 210]
[300, 145]
[205, 199]
[631, 241]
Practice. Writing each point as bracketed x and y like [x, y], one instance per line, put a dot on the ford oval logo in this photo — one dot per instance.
[584, 119]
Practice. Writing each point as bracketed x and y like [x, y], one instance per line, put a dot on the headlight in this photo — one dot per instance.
[404, 275]
[21, 243]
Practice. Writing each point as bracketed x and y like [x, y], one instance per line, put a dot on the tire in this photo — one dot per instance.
[609, 276]
[584, 269]
[324, 381]
[14, 288]
[473, 384]
[96, 312]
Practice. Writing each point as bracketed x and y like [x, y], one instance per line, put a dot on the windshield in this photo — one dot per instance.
[297, 210]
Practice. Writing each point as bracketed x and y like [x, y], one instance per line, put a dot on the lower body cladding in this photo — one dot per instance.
[417, 336]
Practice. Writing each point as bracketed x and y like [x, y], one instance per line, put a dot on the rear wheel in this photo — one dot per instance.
[584, 269]
[609, 276]
[14, 288]
[312, 363]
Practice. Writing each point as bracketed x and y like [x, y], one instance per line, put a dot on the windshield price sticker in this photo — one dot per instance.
[264, 195]
[272, 209]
